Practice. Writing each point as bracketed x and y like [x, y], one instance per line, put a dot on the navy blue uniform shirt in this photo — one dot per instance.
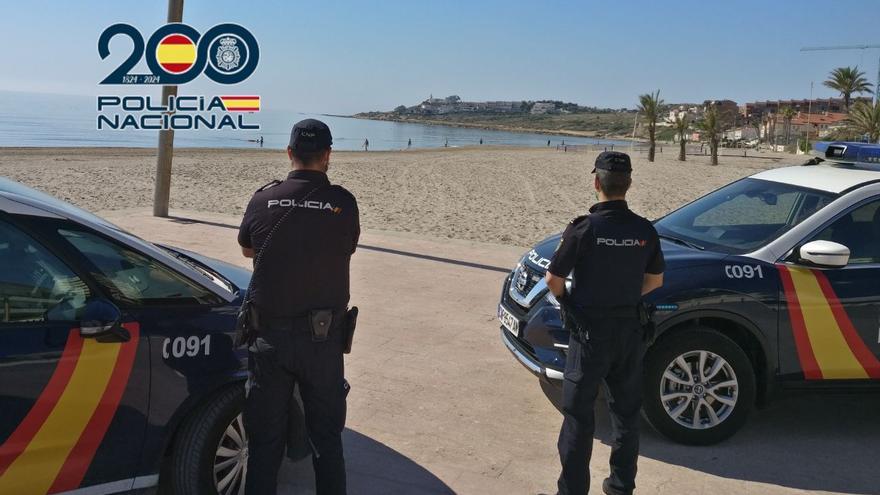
[610, 251]
[306, 265]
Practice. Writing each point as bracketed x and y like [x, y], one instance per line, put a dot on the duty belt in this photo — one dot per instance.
[300, 322]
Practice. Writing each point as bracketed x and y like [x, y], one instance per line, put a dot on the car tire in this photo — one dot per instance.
[208, 439]
[726, 385]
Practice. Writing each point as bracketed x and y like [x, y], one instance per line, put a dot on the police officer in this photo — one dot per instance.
[301, 280]
[615, 257]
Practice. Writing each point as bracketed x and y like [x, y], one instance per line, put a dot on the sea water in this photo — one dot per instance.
[42, 120]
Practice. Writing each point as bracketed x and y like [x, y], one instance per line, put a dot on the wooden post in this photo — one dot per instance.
[162, 192]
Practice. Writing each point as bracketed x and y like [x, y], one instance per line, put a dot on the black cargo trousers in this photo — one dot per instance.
[613, 355]
[283, 357]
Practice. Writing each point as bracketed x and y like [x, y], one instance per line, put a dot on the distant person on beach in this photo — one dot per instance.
[481, 141]
[409, 143]
[261, 141]
[366, 145]
[548, 143]
[446, 144]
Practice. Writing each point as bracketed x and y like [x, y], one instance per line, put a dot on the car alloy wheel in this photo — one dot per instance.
[230, 461]
[699, 390]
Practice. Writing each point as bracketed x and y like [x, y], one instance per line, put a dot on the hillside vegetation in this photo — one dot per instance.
[605, 124]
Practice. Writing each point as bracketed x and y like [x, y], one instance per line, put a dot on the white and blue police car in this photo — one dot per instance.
[117, 365]
[772, 281]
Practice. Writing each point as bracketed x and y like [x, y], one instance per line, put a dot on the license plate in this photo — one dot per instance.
[508, 321]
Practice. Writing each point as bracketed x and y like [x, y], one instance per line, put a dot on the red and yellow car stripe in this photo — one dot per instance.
[52, 448]
[827, 343]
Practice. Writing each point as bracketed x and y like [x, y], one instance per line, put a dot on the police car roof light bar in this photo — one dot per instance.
[849, 152]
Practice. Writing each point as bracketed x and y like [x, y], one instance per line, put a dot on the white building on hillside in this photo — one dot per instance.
[540, 108]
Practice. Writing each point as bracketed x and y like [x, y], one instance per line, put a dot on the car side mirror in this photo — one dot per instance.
[824, 254]
[100, 320]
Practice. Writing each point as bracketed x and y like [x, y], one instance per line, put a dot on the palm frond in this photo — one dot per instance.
[651, 105]
[864, 119]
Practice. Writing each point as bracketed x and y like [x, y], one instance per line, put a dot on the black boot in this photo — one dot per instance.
[610, 489]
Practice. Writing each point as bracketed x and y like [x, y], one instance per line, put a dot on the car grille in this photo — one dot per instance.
[524, 279]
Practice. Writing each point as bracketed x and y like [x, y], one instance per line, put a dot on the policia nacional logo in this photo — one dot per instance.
[177, 54]
[228, 56]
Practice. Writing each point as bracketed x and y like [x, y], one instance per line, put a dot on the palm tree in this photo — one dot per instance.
[651, 105]
[772, 124]
[681, 124]
[757, 123]
[865, 119]
[765, 125]
[711, 129]
[847, 80]
[787, 113]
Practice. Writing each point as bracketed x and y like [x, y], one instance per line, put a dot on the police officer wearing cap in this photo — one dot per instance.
[301, 292]
[614, 258]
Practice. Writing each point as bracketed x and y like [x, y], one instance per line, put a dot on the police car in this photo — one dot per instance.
[116, 358]
[771, 281]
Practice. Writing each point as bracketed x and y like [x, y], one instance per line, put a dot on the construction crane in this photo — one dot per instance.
[851, 47]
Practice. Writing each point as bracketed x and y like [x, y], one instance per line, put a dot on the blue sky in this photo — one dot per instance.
[349, 56]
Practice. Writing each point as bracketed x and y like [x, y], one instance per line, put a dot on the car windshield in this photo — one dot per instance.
[205, 270]
[742, 216]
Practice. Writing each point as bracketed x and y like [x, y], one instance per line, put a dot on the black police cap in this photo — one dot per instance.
[613, 161]
[310, 135]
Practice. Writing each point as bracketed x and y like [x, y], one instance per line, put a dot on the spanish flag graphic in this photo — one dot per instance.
[52, 448]
[176, 53]
[241, 103]
[828, 345]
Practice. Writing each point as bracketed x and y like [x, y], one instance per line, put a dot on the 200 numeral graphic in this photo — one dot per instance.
[177, 53]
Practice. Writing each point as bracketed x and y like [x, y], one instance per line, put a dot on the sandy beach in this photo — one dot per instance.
[512, 196]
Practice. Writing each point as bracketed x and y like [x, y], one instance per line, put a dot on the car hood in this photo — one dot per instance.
[676, 255]
[240, 277]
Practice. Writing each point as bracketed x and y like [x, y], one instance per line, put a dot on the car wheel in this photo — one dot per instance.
[210, 457]
[699, 386]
